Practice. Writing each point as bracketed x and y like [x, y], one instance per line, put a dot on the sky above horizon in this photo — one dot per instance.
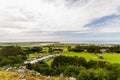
[60, 20]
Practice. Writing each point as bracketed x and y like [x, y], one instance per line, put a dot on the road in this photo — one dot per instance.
[39, 59]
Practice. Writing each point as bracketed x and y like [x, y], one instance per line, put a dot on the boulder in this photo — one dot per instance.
[72, 78]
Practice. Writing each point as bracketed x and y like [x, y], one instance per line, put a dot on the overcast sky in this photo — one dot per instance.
[60, 20]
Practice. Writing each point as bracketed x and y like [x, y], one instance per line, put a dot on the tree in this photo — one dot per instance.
[114, 72]
[12, 55]
[82, 61]
[98, 74]
[84, 75]
[72, 70]
[94, 49]
[50, 50]
[11, 51]
[76, 49]
[91, 64]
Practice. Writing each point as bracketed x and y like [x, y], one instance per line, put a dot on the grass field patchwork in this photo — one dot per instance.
[112, 58]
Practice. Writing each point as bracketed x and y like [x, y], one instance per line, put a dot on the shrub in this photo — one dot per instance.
[84, 75]
[11, 51]
[72, 70]
[82, 61]
[63, 61]
[98, 74]
[5, 62]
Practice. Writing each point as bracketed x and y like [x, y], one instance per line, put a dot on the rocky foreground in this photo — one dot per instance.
[25, 74]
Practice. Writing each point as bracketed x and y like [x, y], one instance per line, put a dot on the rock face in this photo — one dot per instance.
[8, 69]
[34, 73]
[21, 73]
[47, 78]
[20, 70]
[61, 75]
[72, 78]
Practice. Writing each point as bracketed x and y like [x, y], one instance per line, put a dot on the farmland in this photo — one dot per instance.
[112, 58]
[70, 59]
[87, 56]
[109, 57]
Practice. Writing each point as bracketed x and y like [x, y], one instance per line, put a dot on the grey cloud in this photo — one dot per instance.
[4, 25]
[24, 16]
[63, 19]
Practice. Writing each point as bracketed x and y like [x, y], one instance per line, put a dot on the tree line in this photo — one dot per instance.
[95, 49]
[13, 55]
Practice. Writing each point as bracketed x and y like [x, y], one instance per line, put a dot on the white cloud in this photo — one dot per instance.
[17, 16]
[54, 15]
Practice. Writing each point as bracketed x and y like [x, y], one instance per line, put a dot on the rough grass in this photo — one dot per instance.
[8, 76]
[4, 75]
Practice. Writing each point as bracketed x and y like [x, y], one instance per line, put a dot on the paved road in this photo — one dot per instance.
[39, 59]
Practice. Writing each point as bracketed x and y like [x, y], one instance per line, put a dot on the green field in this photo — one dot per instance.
[112, 58]
[109, 57]
[87, 56]
[49, 62]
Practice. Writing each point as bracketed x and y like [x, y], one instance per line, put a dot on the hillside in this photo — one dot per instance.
[13, 73]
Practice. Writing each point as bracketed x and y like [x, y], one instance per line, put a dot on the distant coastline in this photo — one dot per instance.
[36, 43]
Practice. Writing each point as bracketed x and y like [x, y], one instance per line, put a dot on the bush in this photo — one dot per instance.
[72, 71]
[58, 71]
[91, 64]
[115, 72]
[98, 74]
[15, 60]
[82, 61]
[60, 61]
[11, 51]
[1, 58]
[12, 55]
[84, 75]
[5, 62]
[46, 71]
[78, 68]
[29, 66]
[63, 61]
